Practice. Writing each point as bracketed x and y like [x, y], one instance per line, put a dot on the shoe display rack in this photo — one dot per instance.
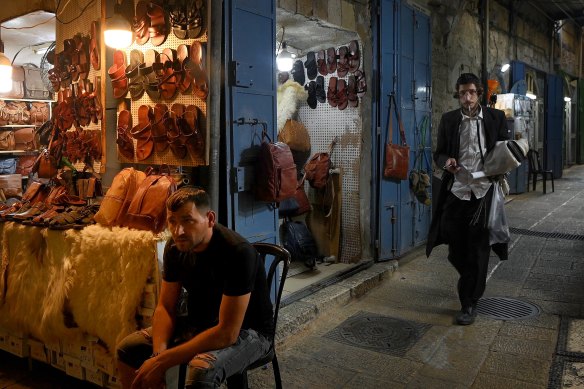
[172, 144]
[323, 123]
[80, 20]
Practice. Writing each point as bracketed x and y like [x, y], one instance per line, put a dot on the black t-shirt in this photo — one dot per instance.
[231, 266]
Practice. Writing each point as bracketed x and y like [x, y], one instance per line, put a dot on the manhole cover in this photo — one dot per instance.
[379, 333]
[503, 308]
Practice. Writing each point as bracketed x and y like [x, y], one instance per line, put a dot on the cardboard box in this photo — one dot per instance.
[96, 376]
[38, 351]
[73, 367]
[17, 346]
[103, 360]
[58, 360]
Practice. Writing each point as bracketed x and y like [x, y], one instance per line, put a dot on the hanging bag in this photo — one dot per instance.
[397, 157]
[316, 170]
[295, 135]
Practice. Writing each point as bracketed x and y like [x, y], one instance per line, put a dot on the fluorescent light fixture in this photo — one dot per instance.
[505, 67]
[567, 99]
[284, 59]
[5, 74]
[118, 33]
[531, 95]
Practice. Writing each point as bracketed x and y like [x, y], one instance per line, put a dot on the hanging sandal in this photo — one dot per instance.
[361, 83]
[184, 79]
[354, 56]
[173, 124]
[151, 70]
[352, 92]
[157, 29]
[343, 61]
[195, 69]
[94, 45]
[143, 134]
[158, 128]
[192, 136]
[135, 79]
[332, 92]
[141, 23]
[125, 144]
[168, 83]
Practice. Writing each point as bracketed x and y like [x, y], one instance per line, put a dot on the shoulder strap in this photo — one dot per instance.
[402, 133]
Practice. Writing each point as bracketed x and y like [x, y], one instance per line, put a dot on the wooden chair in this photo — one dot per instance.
[535, 169]
[276, 284]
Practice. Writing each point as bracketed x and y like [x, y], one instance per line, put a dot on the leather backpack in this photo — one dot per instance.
[316, 170]
[275, 171]
[33, 84]
[147, 211]
[116, 201]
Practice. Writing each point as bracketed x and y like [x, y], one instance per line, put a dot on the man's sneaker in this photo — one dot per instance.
[466, 316]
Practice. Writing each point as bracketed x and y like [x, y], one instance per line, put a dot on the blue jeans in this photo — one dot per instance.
[205, 370]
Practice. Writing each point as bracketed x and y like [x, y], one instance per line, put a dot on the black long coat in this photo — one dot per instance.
[448, 146]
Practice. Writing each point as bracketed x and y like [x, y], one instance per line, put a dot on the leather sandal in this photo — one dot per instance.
[125, 143]
[331, 60]
[142, 132]
[196, 20]
[192, 136]
[117, 73]
[342, 94]
[168, 83]
[195, 69]
[321, 63]
[320, 93]
[352, 92]
[173, 124]
[332, 92]
[94, 45]
[157, 29]
[158, 127]
[151, 69]
[310, 65]
[354, 56]
[343, 61]
[184, 80]
[141, 23]
[361, 83]
[135, 79]
[311, 100]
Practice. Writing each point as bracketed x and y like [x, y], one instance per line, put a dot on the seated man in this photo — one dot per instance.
[229, 319]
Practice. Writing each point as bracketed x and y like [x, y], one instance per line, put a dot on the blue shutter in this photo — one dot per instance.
[250, 96]
[554, 125]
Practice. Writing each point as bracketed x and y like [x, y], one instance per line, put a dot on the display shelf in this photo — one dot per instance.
[8, 126]
[19, 152]
[29, 100]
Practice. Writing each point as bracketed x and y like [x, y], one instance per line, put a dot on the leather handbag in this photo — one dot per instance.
[295, 135]
[11, 185]
[6, 140]
[25, 139]
[397, 157]
[316, 170]
[147, 211]
[24, 164]
[39, 113]
[296, 205]
[18, 112]
[47, 165]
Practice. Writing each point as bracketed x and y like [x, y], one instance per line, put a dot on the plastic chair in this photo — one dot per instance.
[535, 169]
[281, 257]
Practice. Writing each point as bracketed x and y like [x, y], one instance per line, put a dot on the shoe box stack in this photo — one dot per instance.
[14, 342]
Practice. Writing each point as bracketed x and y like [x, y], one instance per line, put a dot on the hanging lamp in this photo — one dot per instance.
[5, 70]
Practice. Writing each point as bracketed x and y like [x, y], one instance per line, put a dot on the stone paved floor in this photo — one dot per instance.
[532, 353]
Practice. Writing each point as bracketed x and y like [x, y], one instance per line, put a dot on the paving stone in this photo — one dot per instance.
[517, 367]
[361, 381]
[517, 329]
[491, 381]
[558, 308]
[575, 340]
[329, 298]
[528, 348]
[573, 375]
[423, 381]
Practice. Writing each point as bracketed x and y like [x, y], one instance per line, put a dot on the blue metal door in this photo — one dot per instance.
[554, 131]
[404, 56]
[250, 105]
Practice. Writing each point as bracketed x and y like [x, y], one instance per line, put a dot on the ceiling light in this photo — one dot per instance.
[567, 99]
[284, 59]
[118, 33]
[505, 67]
[531, 95]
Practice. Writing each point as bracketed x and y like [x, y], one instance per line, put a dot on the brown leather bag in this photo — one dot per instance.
[11, 185]
[316, 170]
[295, 135]
[7, 140]
[26, 139]
[24, 164]
[397, 157]
[18, 112]
[147, 211]
[46, 165]
[114, 206]
[39, 113]
[275, 171]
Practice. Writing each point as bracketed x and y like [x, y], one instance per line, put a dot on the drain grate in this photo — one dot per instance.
[379, 333]
[551, 235]
[503, 308]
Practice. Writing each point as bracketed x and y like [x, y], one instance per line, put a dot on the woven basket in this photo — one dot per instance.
[295, 135]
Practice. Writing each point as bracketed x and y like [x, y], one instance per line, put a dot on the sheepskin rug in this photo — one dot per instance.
[95, 277]
[290, 94]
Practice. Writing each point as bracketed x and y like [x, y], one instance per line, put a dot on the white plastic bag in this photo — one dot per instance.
[498, 227]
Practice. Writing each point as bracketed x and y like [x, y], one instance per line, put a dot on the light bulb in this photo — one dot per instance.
[118, 33]
[284, 60]
[567, 99]
[5, 74]
[505, 67]
[531, 95]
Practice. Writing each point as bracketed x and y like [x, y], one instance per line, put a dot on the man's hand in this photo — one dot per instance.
[451, 166]
[151, 375]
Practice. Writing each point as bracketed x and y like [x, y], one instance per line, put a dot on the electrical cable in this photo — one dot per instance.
[89, 3]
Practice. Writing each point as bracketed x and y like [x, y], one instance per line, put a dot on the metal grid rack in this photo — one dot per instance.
[81, 24]
[323, 124]
[166, 157]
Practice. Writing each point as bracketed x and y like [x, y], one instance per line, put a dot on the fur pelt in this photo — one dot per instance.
[289, 94]
[95, 276]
